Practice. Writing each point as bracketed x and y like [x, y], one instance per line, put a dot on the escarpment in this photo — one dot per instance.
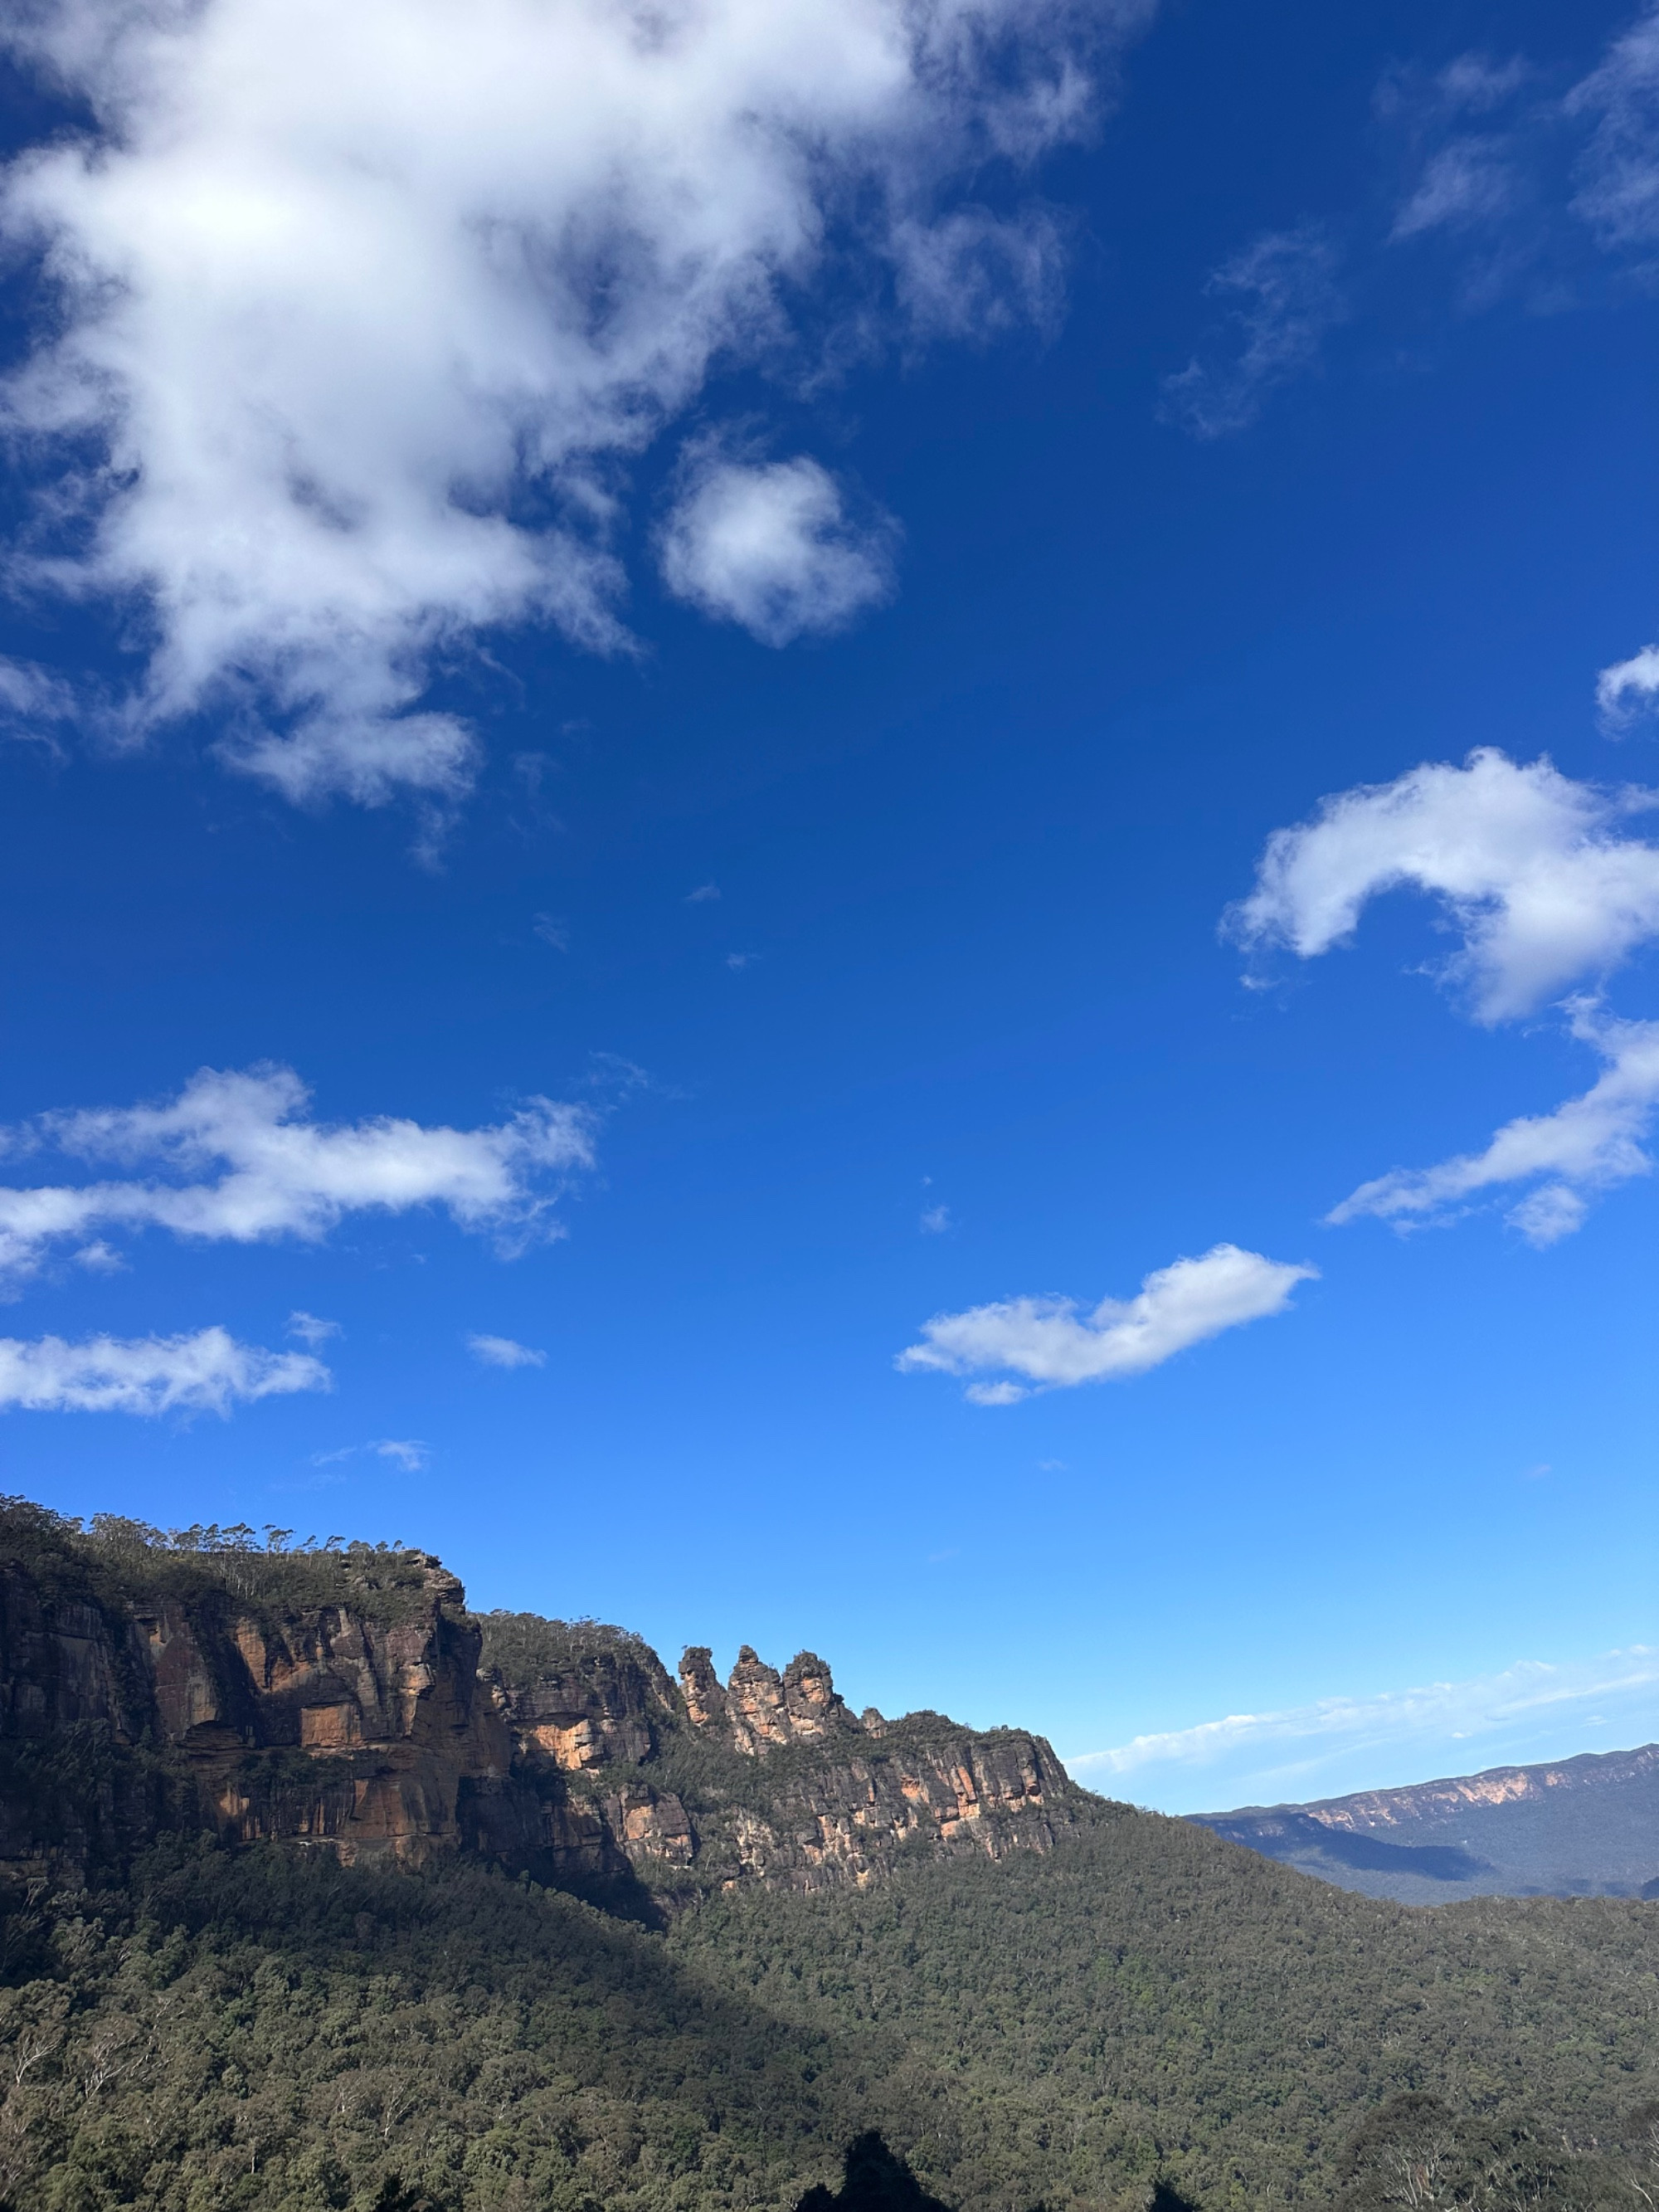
[361, 1725]
[342, 1700]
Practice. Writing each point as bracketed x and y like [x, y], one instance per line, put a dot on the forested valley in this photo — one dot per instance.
[1113, 2011]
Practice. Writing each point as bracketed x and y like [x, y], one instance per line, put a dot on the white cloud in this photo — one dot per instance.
[1629, 688]
[1284, 285]
[1541, 888]
[1301, 1738]
[503, 1352]
[365, 309]
[551, 931]
[99, 1259]
[310, 1329]
[702, 895]
[770, 546]
[1048, 1342]
[995, 1393]
[935, 1221]
[207, 1372]
[409, 1452]
[1585, 1147]
[1529, 866]
[235, 1157]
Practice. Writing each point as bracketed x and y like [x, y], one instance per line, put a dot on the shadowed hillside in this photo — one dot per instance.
[221, 1986]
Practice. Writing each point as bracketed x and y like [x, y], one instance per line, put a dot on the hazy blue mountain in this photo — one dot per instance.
[1577, 1827]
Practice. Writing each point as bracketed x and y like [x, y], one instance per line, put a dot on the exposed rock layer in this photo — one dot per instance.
[371, 1730]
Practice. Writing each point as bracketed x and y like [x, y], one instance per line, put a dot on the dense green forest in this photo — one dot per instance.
[1145, 2016]
[256, 2029]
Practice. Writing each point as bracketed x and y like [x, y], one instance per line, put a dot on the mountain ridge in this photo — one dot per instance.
[346, 1701]
[322, 1893]
[1584, 1826]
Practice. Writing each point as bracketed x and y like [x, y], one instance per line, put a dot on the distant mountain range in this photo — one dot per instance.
[1576, 1827]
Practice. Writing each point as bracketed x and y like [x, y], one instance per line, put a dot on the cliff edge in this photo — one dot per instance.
[342, 1699]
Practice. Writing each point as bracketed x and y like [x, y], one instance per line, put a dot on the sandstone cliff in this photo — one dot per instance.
[344, 1700]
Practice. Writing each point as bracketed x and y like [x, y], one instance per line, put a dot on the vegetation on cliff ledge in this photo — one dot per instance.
[114, 1561]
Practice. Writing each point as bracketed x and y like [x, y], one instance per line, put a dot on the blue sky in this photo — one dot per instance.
[753, 712]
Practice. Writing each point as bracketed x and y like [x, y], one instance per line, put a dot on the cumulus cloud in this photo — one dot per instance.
[207, 1372]
[237, 1157]
[1530, 868]
[355, 316]
[1585, 1147]
[1285, 299]
[1629, 688]
[770, 547]
[1541, 889]
[1049, 1342]
[503, 1352]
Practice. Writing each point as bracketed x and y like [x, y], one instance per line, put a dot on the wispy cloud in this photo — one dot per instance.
[409, 1453]
[1469, 163]
[1471, 181]
[1618, 175]
[34, 701]
[503, 1351]
[208, 1371]
[1282, 299]
[343, 297]
[1290, 1746]
[935, 1220]
[1584, 1147]
[406, 1452]
[237, 1157]
[1052, 1345]
[311, 1328]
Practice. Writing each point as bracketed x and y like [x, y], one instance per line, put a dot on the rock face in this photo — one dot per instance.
[367, 1727]
[770, 1777]
[331, 1728]
[847, 1819]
